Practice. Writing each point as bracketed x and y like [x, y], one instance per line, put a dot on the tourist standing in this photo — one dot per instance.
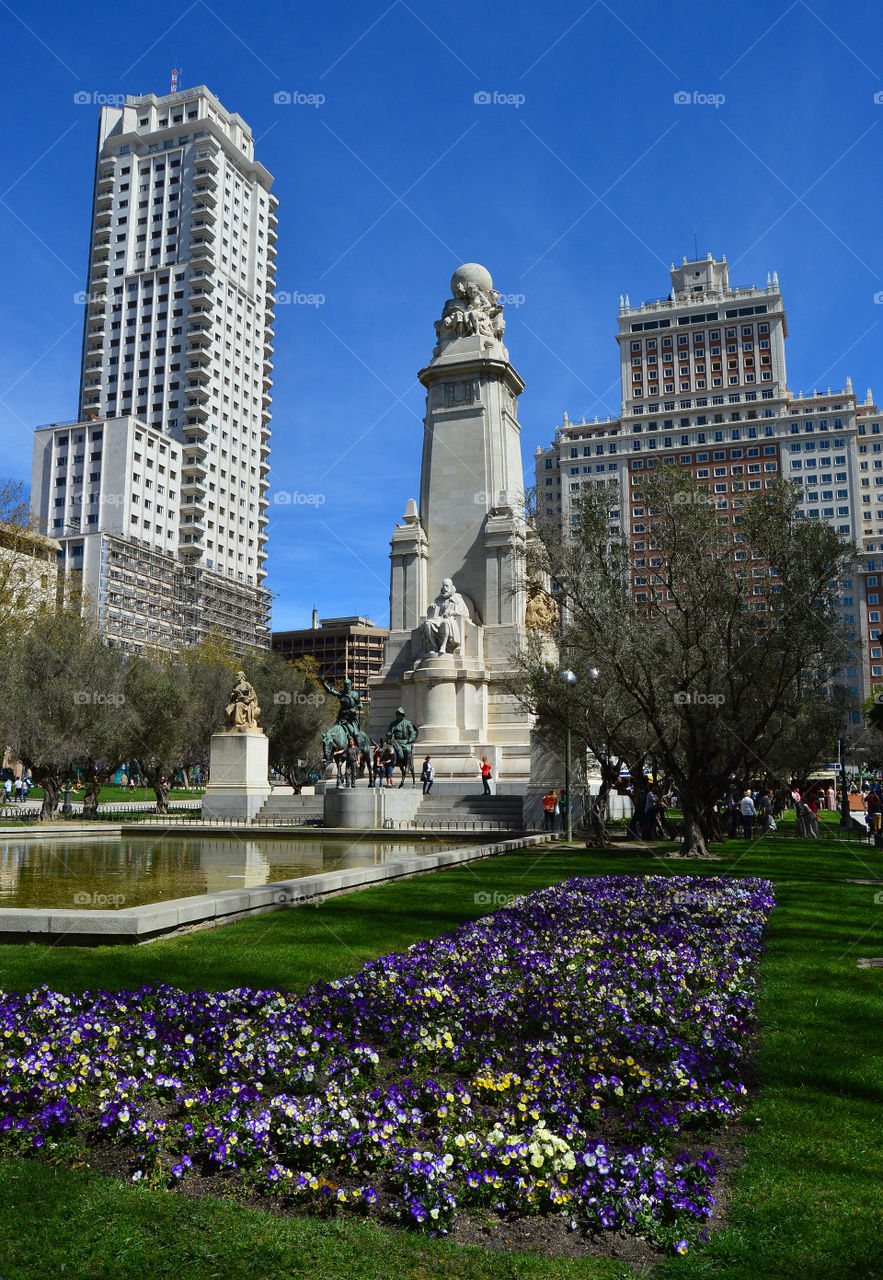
[389, 759]
[427, 776]
[377, 761]
[767, 821]
[830, 798]
[485, 775]
[550, 808]
[352, 759]
[747, 813]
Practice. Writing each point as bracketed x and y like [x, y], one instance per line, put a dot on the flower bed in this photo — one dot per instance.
[568, 1054]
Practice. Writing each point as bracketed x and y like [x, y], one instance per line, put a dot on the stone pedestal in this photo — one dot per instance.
[238, 767]
[366, 807]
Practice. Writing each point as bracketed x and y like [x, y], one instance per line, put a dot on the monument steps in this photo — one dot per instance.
[293, 809]
[504, 809]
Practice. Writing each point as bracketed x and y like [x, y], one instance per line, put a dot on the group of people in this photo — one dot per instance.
[15, 790]
[651, 801]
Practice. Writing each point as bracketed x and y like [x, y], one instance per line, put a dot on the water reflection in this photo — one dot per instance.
[117, 873]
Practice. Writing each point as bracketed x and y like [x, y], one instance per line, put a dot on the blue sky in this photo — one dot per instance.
[585, 186]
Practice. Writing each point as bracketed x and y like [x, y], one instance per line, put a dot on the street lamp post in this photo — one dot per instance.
[66, 806]
[569, 680]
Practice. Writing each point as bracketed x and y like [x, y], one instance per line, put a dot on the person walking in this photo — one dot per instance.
[18, 790]
[485, 775]
[550, 808]
[807, 820]
[352, 759]
[747, 813]
[812, 820]
[427, 776]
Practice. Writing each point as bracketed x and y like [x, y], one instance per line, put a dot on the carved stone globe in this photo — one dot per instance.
[472, 273]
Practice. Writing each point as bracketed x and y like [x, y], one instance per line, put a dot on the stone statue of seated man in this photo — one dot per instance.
[242, 709]
[442, 629]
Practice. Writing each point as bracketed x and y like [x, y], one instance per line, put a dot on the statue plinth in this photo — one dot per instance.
[238, 774]
[239, 760]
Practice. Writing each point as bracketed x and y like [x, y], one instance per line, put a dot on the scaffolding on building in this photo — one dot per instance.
[150, 599]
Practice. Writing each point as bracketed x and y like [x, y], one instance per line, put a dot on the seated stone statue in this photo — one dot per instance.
[442, 629]
[242, 709]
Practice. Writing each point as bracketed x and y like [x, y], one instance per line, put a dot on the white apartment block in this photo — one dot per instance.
[166, 471]
[704, 387]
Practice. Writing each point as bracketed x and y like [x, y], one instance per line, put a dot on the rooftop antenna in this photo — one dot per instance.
[695, 247]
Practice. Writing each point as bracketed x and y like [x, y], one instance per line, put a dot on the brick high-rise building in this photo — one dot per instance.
[704, 387]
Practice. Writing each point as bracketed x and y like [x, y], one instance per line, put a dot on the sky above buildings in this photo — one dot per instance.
[576, 150]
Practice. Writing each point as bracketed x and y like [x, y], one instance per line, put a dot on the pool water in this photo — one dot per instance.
[118, 873]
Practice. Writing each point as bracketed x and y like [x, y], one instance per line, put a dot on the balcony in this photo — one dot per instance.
[105, 184]
[205, 180]
[266, 381]
[103, 218]
[206, 161]
[104, 203]
[193, 505]
[203, 216]
[199, 326]
[198, 358]
[198, 373]
[205, 201]
[198, 397]
[102, 237]
[194, 465]
[200, 252]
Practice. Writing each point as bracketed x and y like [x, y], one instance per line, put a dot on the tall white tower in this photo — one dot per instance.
[177, 344]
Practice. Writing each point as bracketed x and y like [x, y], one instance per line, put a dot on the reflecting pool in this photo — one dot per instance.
[118, 873]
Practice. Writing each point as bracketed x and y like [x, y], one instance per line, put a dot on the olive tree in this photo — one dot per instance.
[716, 634]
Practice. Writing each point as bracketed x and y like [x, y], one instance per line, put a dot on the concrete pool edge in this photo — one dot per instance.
[211, 910]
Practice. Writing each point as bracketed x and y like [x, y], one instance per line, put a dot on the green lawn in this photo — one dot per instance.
[122, 795]
[806, 1202]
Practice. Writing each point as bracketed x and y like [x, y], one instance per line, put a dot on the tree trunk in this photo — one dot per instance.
[161, 791]
[51, 787]
[599, 834]
[90, 798]
[697, 828]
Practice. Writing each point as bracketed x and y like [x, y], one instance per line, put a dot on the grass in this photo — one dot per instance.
[122, 795]
[805, 1203]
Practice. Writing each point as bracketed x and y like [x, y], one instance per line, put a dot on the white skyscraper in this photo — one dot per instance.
[158, 493]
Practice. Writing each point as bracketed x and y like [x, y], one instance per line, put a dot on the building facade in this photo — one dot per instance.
[342, 648]
[166, 470]
[704, 387]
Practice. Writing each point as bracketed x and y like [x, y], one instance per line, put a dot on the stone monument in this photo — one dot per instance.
[238, 767]
[457, 589]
